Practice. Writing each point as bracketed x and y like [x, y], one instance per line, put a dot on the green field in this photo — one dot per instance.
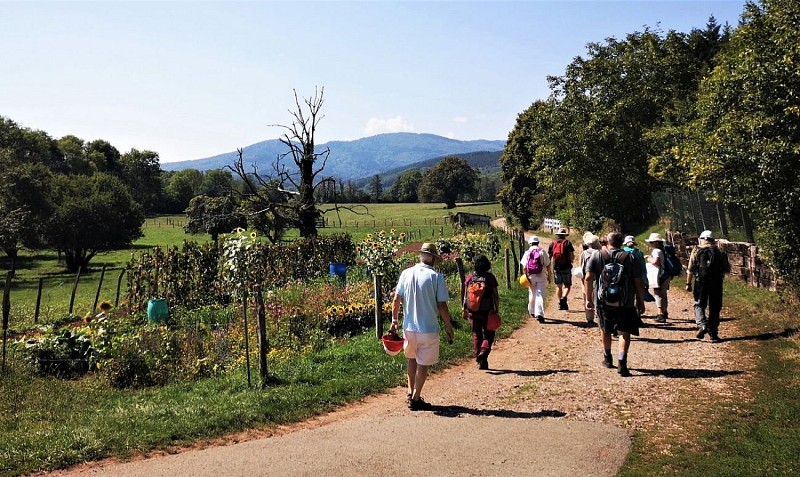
[426, 222]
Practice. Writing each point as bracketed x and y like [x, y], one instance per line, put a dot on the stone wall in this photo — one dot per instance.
[747, 266]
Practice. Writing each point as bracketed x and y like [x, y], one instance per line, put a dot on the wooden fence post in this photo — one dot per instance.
[514, 252]
[246, 338]
[263, 340]
[378, 307]
[38, 301]
[74, 289]
[461, 276]
[99, 287]
[508, 270]
[119, 285]
[6, 312]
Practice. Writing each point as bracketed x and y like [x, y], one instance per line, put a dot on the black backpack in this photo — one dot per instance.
[707, 264]
[613, 279]
[672, 264]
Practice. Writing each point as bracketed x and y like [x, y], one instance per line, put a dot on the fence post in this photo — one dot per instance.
[38, 302]
[74, 289]
[378, 306]
[6, 311]
[461, 276]
[514, 252]
[99, 286]
[508, 270]
[119, 285]
[246, 338]
[263, 340]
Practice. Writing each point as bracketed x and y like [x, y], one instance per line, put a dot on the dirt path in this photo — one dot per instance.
[546, 407]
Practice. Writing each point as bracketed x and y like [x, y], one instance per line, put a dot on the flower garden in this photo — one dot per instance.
[209, 289]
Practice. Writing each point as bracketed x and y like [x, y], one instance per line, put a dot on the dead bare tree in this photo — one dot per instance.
[286, 199]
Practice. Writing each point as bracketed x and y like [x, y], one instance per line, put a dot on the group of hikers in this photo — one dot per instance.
[616, 279]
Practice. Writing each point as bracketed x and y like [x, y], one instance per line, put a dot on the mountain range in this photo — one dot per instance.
[360, 158]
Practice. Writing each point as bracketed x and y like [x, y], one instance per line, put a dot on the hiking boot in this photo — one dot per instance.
[661, 319]
[715, 338]
[420, 405]
[408, 400]
[623, 368]
[701, 333]
[562, 304]
[540, 319]
[608, 361]
[484, 364]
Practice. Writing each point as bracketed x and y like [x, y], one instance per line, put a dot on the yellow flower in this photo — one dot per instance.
[252, 235]
[393, 231]
[239, 230]
[402, 235]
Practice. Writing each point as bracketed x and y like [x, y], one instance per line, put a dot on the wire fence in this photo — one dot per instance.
[691, 212]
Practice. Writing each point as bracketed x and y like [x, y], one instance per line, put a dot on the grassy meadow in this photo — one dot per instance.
[420, 221]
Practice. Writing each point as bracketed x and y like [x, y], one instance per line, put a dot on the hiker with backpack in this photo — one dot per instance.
[592, 244]
[535, 264]
[562, 253]
[629, 245]
[665, 267]
[481, 301]
[614, 288]
[707, 266]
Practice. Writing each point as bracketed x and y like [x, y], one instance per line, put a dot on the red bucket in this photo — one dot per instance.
[392, 343]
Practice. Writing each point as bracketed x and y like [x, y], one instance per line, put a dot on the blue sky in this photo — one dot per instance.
[191, 79]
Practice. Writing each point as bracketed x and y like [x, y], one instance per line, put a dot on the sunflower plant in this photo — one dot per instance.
[238, 260]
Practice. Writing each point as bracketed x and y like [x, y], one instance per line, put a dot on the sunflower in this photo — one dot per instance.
[253, 235]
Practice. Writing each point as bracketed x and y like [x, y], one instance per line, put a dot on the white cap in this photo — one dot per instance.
[707, 235]
[629, 239]
[533, 239]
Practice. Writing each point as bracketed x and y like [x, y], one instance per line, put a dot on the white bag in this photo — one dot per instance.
[577, 272]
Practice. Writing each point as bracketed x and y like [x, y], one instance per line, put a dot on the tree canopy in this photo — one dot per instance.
[447, 181]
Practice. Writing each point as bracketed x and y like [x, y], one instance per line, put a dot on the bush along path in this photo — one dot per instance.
[545, 406]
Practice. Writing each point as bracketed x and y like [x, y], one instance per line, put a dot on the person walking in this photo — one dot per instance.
[423, 294]
[655, 262]
[536, 266]
[707, 266]
[614, 289]
[481, 286]
[592, 243]
[562, 253]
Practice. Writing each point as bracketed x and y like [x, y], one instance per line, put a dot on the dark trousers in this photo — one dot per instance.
[708, 294]
[482, 338]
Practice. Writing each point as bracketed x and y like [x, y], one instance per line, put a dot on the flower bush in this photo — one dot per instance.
[468, 245]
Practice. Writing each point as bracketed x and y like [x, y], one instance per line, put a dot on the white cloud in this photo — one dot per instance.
[396, 124]
[461, 119]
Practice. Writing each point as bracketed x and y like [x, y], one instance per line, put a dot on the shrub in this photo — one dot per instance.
[60, 352]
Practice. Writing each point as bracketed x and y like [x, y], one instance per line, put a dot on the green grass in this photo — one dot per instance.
[49, 423]
[756, 438]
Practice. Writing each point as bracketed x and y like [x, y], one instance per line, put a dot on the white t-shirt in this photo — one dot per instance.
[422, 289]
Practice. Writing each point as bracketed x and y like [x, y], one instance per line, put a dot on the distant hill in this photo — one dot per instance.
[354, 159]
[487, 162]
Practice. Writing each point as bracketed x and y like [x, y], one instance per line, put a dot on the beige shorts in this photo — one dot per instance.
[422, 347]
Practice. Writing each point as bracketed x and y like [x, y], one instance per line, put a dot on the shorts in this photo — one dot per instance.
[619, 320]
[563, 277]
[422, 347]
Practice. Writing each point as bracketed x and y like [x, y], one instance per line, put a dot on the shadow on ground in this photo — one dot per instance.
[679, 373]
[457, 411]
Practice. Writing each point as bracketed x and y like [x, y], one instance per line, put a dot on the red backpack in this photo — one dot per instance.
[474, 294]
[560, 258]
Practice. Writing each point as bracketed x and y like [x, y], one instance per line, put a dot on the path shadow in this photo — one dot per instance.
[771, 335]
[662, 340]
[578, 324]
[458, 411]
[681, 373]
[671, 327]
[529, 373]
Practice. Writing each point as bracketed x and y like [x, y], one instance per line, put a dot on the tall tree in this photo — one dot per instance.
[92, 215]
[214, 216]
[448, 180]
[376, 188]
[746, 142]
[405, 187]
[141, 172]
[297, 172]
